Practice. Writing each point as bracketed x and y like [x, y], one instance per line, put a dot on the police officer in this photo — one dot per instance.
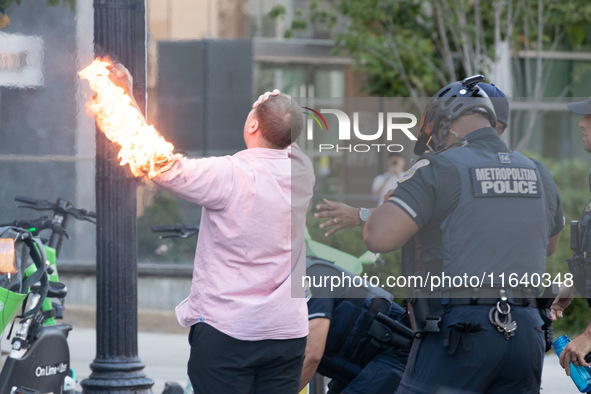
[358, 336]
[478, 210]
[575, 351]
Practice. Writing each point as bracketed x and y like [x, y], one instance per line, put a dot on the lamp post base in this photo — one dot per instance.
[118, 377]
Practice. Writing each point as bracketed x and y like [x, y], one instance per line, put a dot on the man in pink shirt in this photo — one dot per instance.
[248, 325]
[247, 328]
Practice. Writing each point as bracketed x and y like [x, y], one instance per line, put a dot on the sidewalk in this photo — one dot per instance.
[162, 345]
[554, 379]
[166, 355]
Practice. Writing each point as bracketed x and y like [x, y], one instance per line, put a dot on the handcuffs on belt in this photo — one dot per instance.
[500, 316]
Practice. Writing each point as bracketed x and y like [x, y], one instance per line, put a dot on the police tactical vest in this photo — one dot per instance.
[500, 224]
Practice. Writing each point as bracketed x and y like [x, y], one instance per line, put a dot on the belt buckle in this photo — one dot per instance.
[432, 323]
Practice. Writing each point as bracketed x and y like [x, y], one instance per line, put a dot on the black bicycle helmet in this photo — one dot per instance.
[451, 102]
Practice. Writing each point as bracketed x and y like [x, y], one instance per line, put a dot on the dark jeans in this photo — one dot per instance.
[222, 364]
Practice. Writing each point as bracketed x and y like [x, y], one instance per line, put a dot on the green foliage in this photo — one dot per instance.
[576, 34]
[164, 210]
[576, 318]
[297, 23]
[391, 42]
[411, 48]
[4, 4]
[277, 11]
[399, 43]
[564, 23]
[580, 74]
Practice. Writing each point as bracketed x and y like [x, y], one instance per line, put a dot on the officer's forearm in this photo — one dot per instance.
[388, 228]
[308, 370]
[315, 343]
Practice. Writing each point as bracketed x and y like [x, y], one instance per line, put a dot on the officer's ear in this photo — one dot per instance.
[439, 130]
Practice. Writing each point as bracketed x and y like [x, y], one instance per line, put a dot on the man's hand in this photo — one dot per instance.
[121, 77]
[342, 216]
[265, 96]
[562, 300]
[576, 350]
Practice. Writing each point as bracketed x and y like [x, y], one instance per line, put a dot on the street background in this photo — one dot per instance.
[207, 60]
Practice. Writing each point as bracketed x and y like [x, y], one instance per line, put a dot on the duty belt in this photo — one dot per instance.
[518, 297]
[524, 302]
[499, 314]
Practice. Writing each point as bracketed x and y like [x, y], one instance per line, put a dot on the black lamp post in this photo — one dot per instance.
[119, 32]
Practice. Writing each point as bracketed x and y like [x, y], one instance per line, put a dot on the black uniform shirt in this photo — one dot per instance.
[430, 190]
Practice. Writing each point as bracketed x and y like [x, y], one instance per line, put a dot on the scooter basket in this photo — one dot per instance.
[9, 304]
[11, 286]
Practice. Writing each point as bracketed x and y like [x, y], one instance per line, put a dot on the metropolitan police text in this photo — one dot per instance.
[507, 180]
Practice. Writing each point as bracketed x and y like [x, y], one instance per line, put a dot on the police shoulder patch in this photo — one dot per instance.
[504, 158]
[411, 171]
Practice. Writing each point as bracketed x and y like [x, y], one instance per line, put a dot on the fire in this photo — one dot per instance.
[142, 147]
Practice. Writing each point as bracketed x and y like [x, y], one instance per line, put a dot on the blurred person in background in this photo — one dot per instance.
[384, 183]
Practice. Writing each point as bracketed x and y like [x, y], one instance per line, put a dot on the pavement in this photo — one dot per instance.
[166, 355]
[163, 348]
[554, 379]
[162, 345]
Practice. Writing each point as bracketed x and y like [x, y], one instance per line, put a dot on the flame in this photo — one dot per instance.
[142, 147]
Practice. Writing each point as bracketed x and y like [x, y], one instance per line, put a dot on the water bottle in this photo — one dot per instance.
[580, 375]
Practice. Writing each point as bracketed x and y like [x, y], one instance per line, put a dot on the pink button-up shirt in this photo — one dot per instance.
[251, 238]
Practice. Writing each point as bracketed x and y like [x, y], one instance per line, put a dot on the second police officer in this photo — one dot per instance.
[358, 336]
[575, 351]
[477, 209]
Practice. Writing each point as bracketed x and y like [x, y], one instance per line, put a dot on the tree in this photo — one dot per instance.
[544, 25]
[411, 48]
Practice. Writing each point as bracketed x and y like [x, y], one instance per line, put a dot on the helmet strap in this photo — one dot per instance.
[444, 131]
